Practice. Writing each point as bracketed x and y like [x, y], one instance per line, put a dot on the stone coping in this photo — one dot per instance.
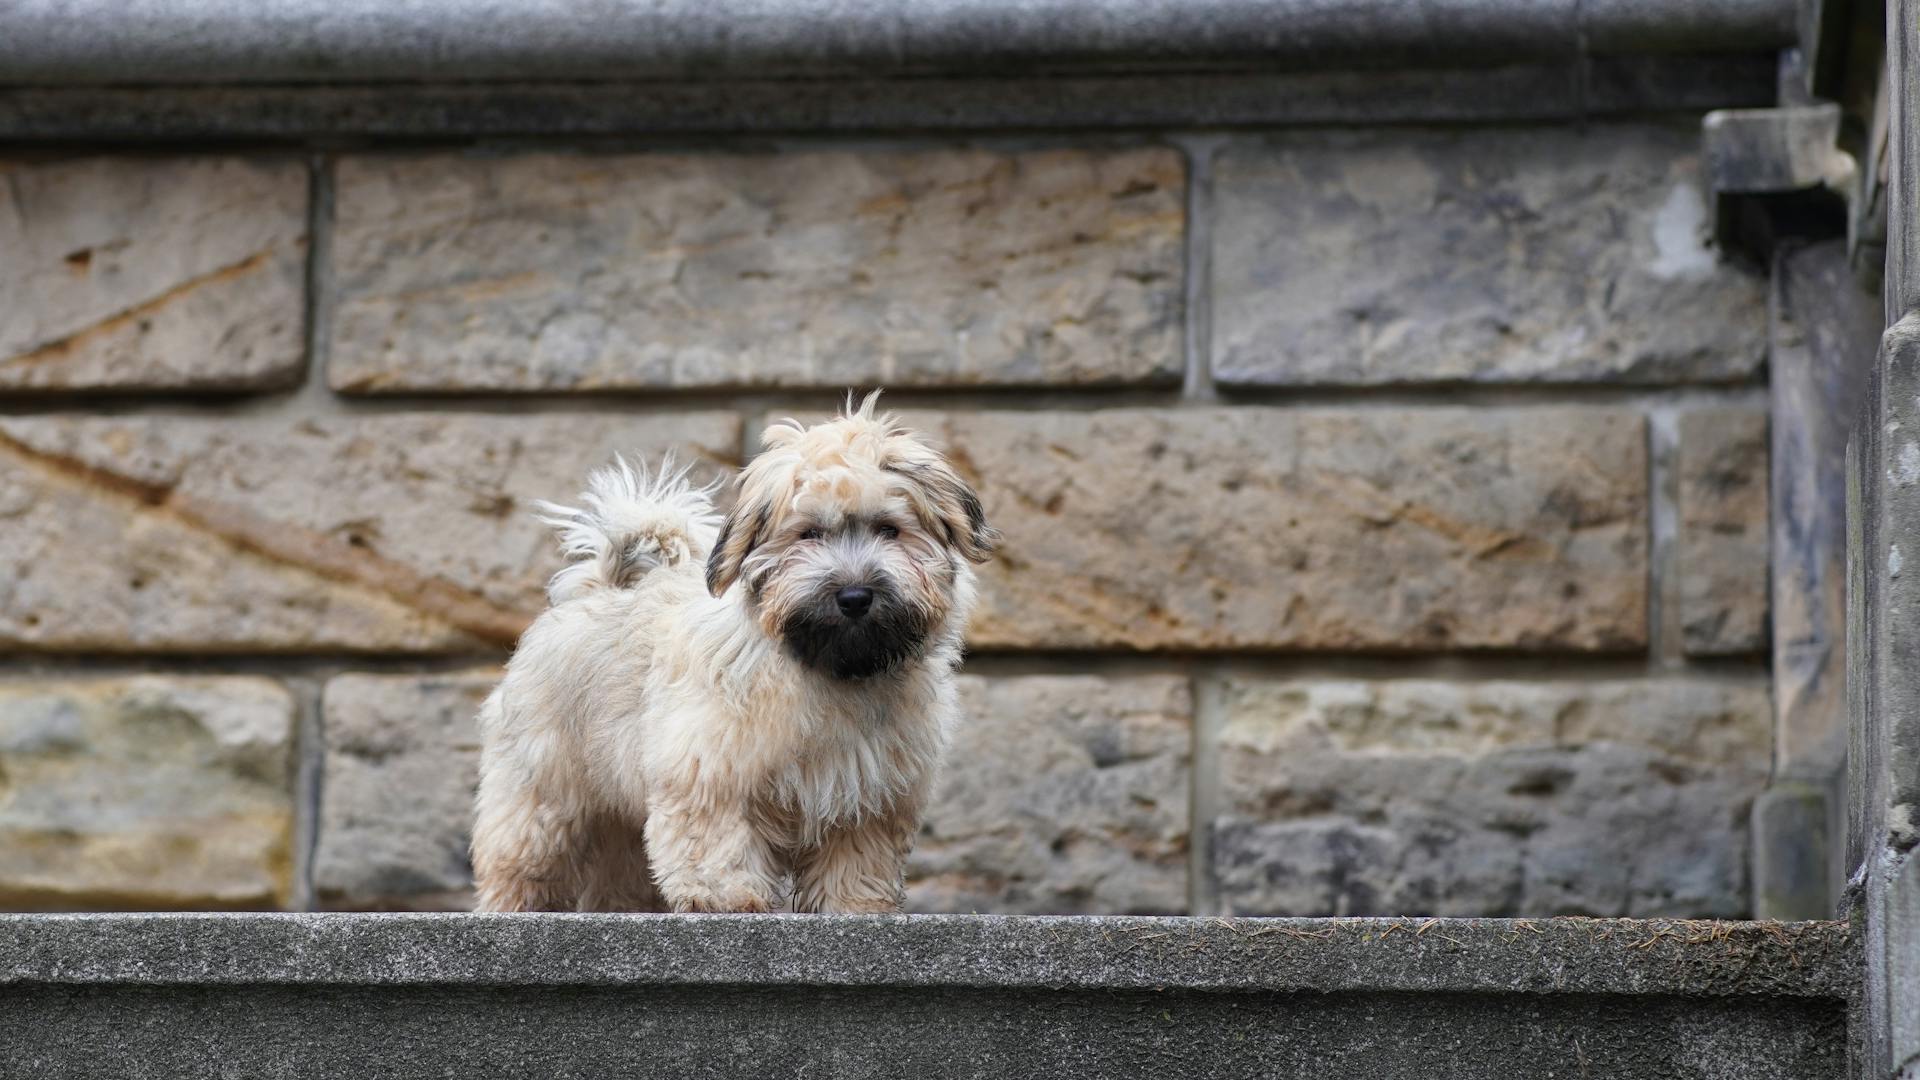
[95, 42]
[1697, 959]
[1559, 89]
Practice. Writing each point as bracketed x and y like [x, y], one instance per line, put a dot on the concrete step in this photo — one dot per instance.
[348, 995]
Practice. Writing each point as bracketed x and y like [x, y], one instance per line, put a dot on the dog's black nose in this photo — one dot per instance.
[854, 600]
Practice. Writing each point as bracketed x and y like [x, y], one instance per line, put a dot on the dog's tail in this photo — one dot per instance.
[630, 522]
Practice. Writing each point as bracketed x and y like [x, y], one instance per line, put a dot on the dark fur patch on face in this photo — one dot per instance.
[819, 637]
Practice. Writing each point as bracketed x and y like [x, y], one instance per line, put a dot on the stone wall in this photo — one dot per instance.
[1386, 508]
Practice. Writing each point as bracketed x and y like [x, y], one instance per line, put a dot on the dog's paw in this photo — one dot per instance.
[856, 906]
[724, 901]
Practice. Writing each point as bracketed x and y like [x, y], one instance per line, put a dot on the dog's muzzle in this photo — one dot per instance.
[855, 631]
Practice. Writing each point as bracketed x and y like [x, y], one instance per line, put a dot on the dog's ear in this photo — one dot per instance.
[949, 507]
[743, 530]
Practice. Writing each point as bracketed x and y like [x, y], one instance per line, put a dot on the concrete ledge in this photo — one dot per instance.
[1552, 956]
[932, 996]
[1606, 86]
[79, 42]
[178, 70]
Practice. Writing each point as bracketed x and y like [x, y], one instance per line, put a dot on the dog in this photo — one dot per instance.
[712, 716]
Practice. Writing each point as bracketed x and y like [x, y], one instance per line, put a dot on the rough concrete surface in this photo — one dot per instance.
[827, 269]
[1661, 957]
[146, 791]
[937, 996]
[1249, 527]
[120, 273]
[1497, 255]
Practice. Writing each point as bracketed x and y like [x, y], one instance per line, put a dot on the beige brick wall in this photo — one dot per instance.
[1385, 510]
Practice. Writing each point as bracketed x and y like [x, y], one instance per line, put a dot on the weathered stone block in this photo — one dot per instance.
[391, 532]
[835, 268]
[152, 273]
[396, 814]
[145, 792]
[1338, 529]
[1062, 795]
[1423, 797]
[1497, 255]
[1723, 483]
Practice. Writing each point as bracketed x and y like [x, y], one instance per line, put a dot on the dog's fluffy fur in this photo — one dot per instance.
[700, 699]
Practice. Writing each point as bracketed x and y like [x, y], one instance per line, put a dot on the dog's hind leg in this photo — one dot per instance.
[527, 850]
[526, 868]
[616, 876]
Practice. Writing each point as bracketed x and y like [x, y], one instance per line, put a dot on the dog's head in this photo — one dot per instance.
[850, 540]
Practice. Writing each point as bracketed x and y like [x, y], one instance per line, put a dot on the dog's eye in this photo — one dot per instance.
[810, 534]
[885, 531]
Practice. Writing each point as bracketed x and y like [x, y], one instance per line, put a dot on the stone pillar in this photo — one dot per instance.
[1884, 691]
[1822, 326]
[1884, 608]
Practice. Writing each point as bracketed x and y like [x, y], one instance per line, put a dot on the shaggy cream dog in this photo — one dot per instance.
[745, 707]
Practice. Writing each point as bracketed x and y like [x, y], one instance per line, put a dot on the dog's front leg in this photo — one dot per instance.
[859, 868]
[709, 857]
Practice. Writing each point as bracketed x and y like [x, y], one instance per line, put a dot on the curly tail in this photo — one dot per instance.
[631, 521]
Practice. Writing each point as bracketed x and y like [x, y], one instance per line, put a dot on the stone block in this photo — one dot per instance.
[813, 268]
[1262, 528]
[1502, 255]
[396, 812]
[1062, 795]
[1422, 797]
[147, 792]
[152, 273]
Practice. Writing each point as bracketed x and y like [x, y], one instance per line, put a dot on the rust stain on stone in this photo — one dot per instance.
[1383, 509]
[890, 203]
[62, 348]
[297, 548]
[1476, 539]
[339, 560]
